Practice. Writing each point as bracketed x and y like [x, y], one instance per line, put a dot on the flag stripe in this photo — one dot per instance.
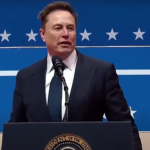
[119, 72]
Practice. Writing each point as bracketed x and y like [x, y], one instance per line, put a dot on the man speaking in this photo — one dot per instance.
[92, 84]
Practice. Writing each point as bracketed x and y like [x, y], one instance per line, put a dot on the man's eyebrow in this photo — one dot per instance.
[59, 24]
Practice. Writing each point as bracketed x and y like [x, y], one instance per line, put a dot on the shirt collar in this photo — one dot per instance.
[69, 62]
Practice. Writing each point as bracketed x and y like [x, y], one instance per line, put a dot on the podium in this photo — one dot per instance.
[67, 136]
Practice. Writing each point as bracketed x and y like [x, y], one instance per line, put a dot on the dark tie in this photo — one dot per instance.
[55, 97]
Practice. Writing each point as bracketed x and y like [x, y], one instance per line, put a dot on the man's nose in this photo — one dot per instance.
[65, 33]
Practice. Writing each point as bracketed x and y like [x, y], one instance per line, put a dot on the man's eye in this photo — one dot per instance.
[70, 28]
[58, 28]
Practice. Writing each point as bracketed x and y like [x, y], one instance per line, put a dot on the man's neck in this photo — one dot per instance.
[69, 61]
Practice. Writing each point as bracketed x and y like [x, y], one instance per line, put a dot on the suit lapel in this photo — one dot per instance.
[38, 77]
[82, 79]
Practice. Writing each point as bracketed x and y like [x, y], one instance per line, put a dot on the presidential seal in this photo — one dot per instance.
[67, 142]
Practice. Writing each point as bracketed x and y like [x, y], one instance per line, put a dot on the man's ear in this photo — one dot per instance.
[42, 34]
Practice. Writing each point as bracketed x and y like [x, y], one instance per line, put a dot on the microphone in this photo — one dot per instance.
[59, 67]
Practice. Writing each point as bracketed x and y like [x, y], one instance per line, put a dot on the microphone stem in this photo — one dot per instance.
[66, 99]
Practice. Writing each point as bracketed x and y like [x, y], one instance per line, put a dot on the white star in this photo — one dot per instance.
[131, 112]
[32, 35]
[5, 36]
[104, 116]
[85, 35]
[112, 34]
[139, 34]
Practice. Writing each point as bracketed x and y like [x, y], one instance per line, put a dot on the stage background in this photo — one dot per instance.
[128, 49]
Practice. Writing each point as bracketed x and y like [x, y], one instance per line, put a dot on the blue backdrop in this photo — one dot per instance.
[125, 18]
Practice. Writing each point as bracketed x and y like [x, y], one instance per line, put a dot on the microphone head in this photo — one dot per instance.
[57, 63]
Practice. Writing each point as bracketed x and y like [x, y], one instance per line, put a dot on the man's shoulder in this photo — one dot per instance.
[31, 69]
[100, 63]
[103, 67]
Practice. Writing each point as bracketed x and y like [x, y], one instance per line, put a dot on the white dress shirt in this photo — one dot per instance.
[68, 73]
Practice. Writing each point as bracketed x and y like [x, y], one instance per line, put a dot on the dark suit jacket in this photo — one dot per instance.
[95, 91]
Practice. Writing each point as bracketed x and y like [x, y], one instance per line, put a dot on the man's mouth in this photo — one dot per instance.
[65, 43]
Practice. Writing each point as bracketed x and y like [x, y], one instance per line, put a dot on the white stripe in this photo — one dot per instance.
[119, 72]
[20, 47]
[8, 73]
[133, 72]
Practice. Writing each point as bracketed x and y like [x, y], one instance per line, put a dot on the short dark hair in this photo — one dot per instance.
[60, 5]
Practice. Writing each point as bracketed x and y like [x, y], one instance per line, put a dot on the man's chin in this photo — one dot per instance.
[65, 50]
[64, 53]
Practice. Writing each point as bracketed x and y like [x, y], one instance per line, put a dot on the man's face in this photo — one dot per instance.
[60, 33]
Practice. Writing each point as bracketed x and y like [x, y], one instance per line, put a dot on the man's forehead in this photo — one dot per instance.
[61, 16]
